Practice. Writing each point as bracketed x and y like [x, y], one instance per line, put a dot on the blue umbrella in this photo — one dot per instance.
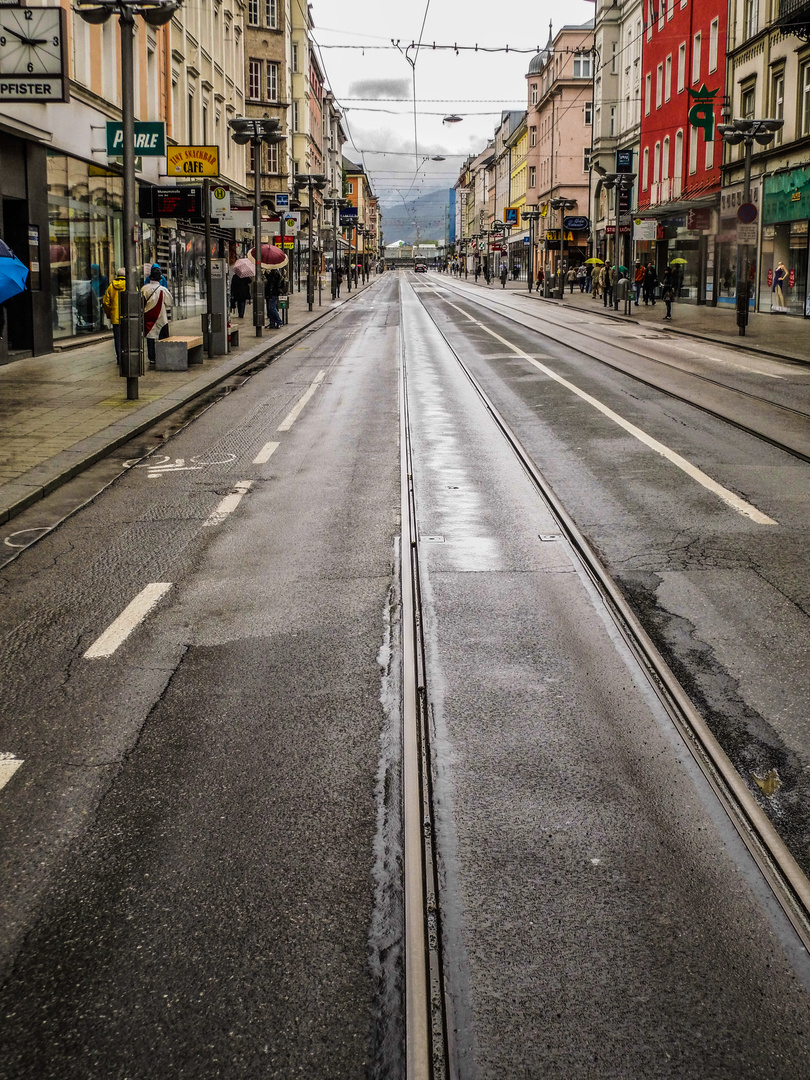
[13, 273]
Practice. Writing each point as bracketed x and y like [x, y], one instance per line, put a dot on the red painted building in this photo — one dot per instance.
[683, 93]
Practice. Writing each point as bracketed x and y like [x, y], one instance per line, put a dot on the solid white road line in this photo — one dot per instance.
[133, 614]
[292, 416]
[8, 766]
[728, 497]
[229, 503]
[266, 453]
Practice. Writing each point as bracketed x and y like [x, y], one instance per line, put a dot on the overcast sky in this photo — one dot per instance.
[476, 86]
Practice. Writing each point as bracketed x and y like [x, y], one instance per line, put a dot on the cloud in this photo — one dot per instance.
[380, 88]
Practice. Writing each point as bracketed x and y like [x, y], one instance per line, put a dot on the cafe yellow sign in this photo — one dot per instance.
[192, 161]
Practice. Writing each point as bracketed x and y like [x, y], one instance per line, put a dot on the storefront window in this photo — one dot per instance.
[84, 210]
[785, 244]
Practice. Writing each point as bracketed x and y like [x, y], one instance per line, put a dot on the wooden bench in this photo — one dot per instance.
[176, 353]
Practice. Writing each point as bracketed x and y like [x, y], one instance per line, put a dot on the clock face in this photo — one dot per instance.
[30, 41]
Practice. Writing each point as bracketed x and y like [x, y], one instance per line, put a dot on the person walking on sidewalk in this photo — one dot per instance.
[157, 306]
[112, 308]
[240, 293]
[582, 277]
[608, 280]
[650, 282]
[668, 293]
[272, 290]
[638, 280]
[539, 279]
[571, 278]
[504, 275]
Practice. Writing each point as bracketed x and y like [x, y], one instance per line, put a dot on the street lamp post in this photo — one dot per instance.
[156, 13]
[748, 132]
[562, 205]
[313, 182]
[621, 182]
[246, 130]
[335, 205]
[531, 216]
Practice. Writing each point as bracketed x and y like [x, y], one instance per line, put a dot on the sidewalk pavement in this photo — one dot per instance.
[786, 336]
[62, 412]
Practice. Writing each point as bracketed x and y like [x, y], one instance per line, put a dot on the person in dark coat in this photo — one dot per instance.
[272, 291]
[668, 292]
[650, 282]
[240, 292]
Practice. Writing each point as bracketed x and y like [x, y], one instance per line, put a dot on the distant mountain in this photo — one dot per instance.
[422, 218]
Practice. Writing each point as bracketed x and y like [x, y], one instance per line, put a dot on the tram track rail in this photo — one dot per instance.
[783, 411]
[425, 1008]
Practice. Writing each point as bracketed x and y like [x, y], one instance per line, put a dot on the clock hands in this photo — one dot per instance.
[23, 39]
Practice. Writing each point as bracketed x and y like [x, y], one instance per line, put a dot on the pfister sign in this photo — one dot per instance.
[150, 138]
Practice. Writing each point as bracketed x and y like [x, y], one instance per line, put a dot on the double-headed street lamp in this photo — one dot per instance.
[748, 132]
[530, 215]
[622, 182]
[156, 13]
[335, 205]
[562, 205]
[313, 182]
[257, 132]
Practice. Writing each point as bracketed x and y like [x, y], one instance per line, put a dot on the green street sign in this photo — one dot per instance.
[150, 138]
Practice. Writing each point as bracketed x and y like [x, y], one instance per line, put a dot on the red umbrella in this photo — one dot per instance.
[272, 257]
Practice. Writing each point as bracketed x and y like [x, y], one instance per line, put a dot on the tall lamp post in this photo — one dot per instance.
[621, 182]
[748, 132]
[313, 182]
[531, 215]
[562, 205]
[246, 130]
[156, 13]
[335, 204]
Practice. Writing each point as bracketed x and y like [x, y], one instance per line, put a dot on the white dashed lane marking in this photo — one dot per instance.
[294, 413]
[229, 503]
[131, 617]
[266, 453]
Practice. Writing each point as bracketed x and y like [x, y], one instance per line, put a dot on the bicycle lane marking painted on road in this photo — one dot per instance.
[294, 413]
[728, 497]
[266, 453]
[131, 617]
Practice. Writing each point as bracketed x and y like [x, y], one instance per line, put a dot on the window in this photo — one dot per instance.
[665, 159]
[191, 119]
[295, 56]
[709, 153]
[696, 59]
[668, 79]
[777, 109]
[586, 159]
[612, 121]
[614, 57]
[253, 12]
[534, 93]
[657, 163]
[645, 169]
[662, 14]
[254, 79]
[271, 17]
[677, 165]
[693, 149]
[532, 136]
[681, 66]
[582, 66]
[295, 116]
[272, 158]
[588, 112]
[532, 176]
[748, 95]
[647, 93]
[749, 18]
[205, 124]
[350, 188]
[714, 31]
[659, 85]
[272, 82]
[804, 84]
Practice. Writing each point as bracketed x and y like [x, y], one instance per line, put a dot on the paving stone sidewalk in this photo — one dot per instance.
[62, 412]
[787, 336]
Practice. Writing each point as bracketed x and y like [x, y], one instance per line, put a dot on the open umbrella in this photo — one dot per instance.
[244, 268]
[273, 258]
[13, 273]
[595, 262]
[678, 262]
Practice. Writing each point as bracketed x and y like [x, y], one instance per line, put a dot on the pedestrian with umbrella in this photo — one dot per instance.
[244, 270]
[13, 276]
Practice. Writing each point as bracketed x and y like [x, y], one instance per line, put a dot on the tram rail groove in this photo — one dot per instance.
[510, 315]
[426, 1045]
[777, 865]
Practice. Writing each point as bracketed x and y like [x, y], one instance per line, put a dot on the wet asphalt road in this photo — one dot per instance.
[199, 861]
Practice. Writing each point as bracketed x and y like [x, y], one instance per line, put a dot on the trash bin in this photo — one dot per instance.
[283, 309]
[622, 286]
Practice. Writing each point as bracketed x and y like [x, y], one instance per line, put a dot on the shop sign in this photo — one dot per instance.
[192, 161]
[150, 138]
[645, 229]
[511, 216]
[701, 115]
[697, 220]
[578, 224]
[289, 242]
[610, 230]
[787, 196]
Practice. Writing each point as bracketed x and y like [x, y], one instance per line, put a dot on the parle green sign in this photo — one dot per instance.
[701, 115]
[150, 138]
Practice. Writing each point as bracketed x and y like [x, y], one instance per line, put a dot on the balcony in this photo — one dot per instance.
[794, 18]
